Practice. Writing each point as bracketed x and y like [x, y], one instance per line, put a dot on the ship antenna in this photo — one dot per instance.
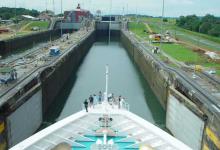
[106, 84]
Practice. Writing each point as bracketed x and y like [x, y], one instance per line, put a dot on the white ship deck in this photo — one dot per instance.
[84, 131]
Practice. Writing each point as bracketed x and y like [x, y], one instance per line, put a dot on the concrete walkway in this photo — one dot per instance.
[148, 28]
[31, 64]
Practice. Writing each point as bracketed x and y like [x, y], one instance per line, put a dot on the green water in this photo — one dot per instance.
[124, 79]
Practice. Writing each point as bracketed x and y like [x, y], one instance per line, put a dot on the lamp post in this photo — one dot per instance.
[53, 7]
[46, 6]
[198, 44]
[162, 17]
[16, 18]
[199, 36]
[61, 25]
[109, 38]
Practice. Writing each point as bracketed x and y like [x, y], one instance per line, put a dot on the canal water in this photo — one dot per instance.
[124, 79]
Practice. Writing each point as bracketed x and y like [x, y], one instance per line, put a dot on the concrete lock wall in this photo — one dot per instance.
[25, 120]
[37, 95]
[115, 26]
[200, 128]
[54, 78]
[148, 68]
[102, 30]
[206, 128]
[184, 124]
[10, 45]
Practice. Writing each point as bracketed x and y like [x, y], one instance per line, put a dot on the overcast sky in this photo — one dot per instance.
[173, 8]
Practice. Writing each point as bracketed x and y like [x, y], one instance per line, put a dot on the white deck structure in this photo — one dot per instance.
[124, 124]
[106, 127]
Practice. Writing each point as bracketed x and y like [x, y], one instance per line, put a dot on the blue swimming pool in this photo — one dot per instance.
[121, 145]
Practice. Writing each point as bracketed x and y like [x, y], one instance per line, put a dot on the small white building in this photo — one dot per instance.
[28, 17]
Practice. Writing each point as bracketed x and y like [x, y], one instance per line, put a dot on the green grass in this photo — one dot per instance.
[21, 33]
[156, 28]
[164, 59]
[182, 53]
[208, 37]
[155, 23]
[178, 52]
[218, 72]
[138, 29]
[43, 25]
[212, 64]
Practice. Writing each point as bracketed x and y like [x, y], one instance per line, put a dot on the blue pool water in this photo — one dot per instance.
[121, 145]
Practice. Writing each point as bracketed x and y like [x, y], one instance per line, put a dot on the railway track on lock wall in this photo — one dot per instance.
[35, 51]
[40, 68]
[213, 80]
[200, 93]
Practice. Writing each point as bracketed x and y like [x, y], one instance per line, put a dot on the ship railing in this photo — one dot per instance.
[125, 106]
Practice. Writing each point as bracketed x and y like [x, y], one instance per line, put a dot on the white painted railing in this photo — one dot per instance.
[123, 105]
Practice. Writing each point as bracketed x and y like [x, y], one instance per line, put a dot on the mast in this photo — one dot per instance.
[106, 84]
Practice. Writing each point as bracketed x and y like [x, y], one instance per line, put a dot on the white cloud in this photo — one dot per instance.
[180, 2]
[149, 7]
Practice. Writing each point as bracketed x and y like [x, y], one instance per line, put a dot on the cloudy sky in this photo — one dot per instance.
[173, 8]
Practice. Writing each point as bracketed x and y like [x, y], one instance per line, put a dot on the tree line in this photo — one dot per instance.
[209, 24]
[10, 13]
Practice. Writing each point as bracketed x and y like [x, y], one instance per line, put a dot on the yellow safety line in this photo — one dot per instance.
[212, 136]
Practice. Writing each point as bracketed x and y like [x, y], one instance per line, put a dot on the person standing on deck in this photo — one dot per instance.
[16, 75]
[86, 105]
[12, 75]
[113, 97]
[122, 102]
[113, 100]
[95, 99]
[100, 96]
[91, 101]
[119, 102]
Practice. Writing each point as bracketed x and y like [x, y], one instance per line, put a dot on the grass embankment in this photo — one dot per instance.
[177, 51]
[198, 39]
[138, 29]
[182, 53]
[24, 28]
[43, 25]
[188, 56]
[205, 36]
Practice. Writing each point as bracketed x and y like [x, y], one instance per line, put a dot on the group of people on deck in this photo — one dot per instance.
[98, 99]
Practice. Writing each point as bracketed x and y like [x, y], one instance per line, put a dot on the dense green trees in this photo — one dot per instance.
[9, 13]
[208, 24]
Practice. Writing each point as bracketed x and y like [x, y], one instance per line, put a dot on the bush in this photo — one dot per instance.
[165, 20]
[208, 24]
[215, 31]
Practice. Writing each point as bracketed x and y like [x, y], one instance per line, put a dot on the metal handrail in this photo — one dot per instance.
[123, 105]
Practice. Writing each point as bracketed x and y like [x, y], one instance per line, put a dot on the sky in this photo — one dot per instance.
[173, 8]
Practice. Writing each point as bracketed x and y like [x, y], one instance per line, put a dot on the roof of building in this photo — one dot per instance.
[28, 17]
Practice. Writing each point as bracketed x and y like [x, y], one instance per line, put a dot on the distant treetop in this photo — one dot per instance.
[208, 24]
[10, 13]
